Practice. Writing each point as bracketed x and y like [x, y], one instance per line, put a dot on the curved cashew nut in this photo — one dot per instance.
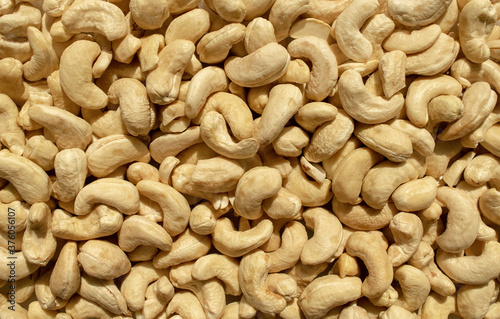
[283, 13]
[284, 204]
[471, 270]
[23, 15]
[71, 171]
[313, 115]
[12, 83]
[163, 83]
[174, 206]
[29, 179]
[149, 15]
[138, 230]
[215, 46]
[75, 73]
[327, 292]
[139, 171]
[43, 61]
[489, 204]
[235, 243]
[173, 143]
[407, 230]
[473, 301]
[253, 273]
[191, 25]
[476, 21]
[209, 80]
[421, 139]
[431, 61]
[417, 13]
[39, 244]
[347, 29]
[12, 135]
[326, 239]
[386, 140]
[438, 306]
[259, 32]
[102, 221]
[364, 106]
[223, 267]
[479, 101]
[187, 247]
[327, 11]
[250, 194]
[383, 179]
[293, 240]
[414, 285]
[217, 175]
[324, 71]
[467, 72]
[136, 111]
[110, 152]
[463, 220]
[109, 191]
[412, 41]
[68, 130]
[65, 276]
[95, 16]
[187, 305]
[371, 250]
[102, 259]
[104, 293]
[415, 195]
[260, 67]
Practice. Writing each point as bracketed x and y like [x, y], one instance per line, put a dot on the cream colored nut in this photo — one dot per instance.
[16, 312]
[311, 193]
[363, 68]
[210, 292]
[407, 230]
[314, 170]
[44, 294]
[412, 41]
[467, 72]
[191, 25]
[252, 276]
[283, 285]
[386, 140]
[105, 123]
[151, 45]
[231, 11]
[41, 151]
[180, 6]
[214, 47]
[375, 30]
[268, 157]
[277, 113]
[35, 310]
[473, 301]
[477, 94]
[17, 48]
[318, 298]
[293, 240]
[347, 29]
[102, 259]
[417, 13]
[326, 239]
[203, 218]
[346, 266]
[139, 171]
[166, 167]
[423, 90]
[274, 241]
[23, 15]
[221, 266]
[71, 171]
[454, 173]
[102, 221]
[311, 26]
[109, 191]
[391, 68]
[149, 15]
[353, 311]
[382, 179]
[55, 8]
[431, 61]
[187, 305]
[414, 285]
[209, 80]
[437, 306]
[249, 193]
[137, 113]
[187, 247]
[330, 164]
[142, 253]
[164, 81]
[9, 194]
[12, 83]
[79, 307]
[172, 117]
[364, 106]
[59, 33]
[259, 32]
[476, 21]
[235, 243]
[449, 18]
[29, 179]
[472, 270]
[108, 153]
[150, 209]
[368, 248]
[283, 13]
[65, 276]
[489, 204]
[477, 136]
[136, 282]
[394, 312]
[75, 72]
[21, 217]
[260, 67]
[12, 135]
[421, 139]
[124, 49]
[43, 61]
[67, 130]
[39, 244]
[415, 195]
[481, 169]
[290, 141]
[326, 11]
[437, 163]
[174, 206]
[158, 294]
[324, 65]
[313, 115]
[329, 138]
[104, 293]
[491, 142]
[258, 97]
[216, 175]
[95, 16]
[462, 222]
[172, 144]
[284, 204]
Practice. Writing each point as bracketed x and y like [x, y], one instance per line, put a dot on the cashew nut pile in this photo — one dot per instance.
[246, 159]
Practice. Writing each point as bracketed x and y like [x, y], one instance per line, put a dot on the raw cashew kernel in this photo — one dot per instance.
[417, 13]
[412, 41]
[102, 259]
[407, 230]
